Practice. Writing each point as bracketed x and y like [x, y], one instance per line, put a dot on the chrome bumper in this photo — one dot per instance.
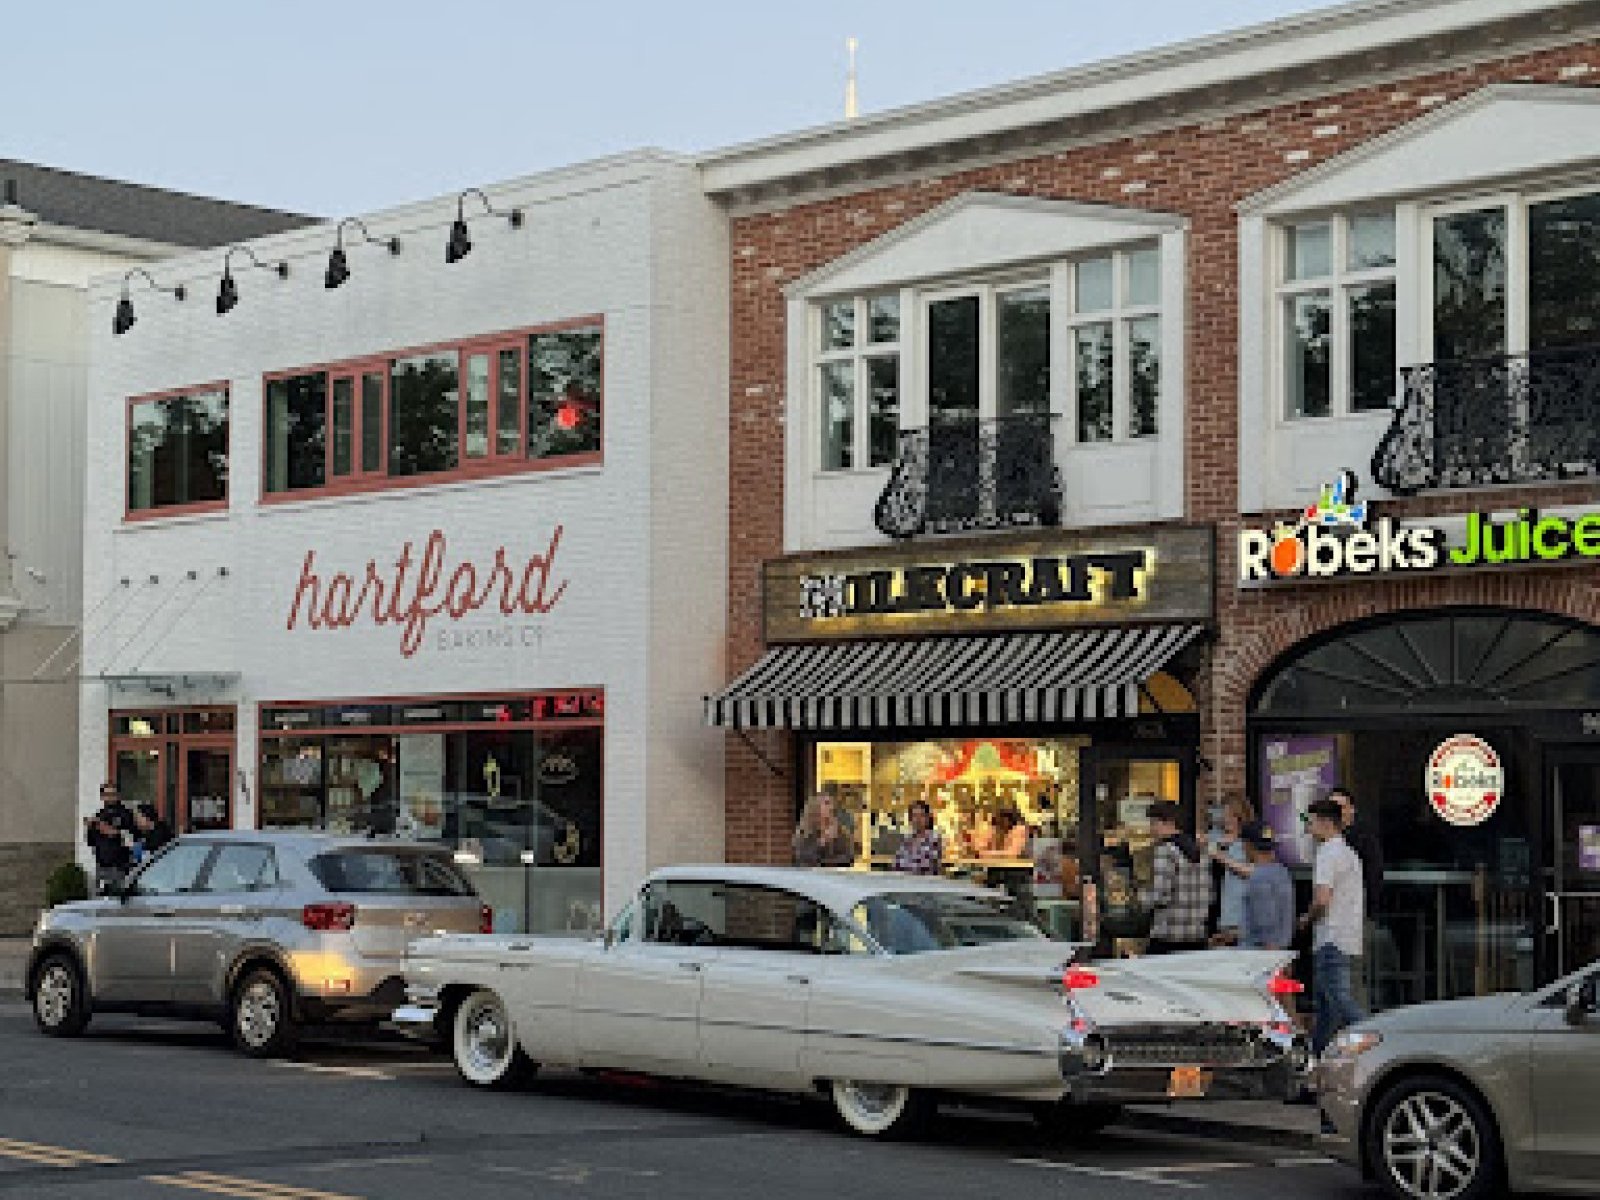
[416, 1020]
[1101, 1066]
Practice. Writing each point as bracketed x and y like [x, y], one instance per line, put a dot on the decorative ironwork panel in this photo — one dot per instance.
[961, 473]
[1505, 419]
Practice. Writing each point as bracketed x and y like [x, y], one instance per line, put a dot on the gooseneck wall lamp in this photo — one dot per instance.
[228, 290]
[460, 243]
[338, 265]
[124, 319]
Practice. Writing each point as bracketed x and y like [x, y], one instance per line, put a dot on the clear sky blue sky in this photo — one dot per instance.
[342, 106]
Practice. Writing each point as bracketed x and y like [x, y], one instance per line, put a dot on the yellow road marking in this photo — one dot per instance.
[249, 1189]
[54, 1156]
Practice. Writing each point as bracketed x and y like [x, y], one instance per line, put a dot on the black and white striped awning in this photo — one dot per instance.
[1062, 675]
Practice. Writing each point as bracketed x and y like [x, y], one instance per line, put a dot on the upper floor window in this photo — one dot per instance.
[988, 354]
[490, 405]
[178, 452]
[858, 380]
[1336, 300]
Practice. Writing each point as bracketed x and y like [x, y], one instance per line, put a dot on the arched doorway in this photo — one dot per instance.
[1473, 902]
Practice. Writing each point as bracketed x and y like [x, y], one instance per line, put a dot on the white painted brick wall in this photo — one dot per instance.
[644, 542]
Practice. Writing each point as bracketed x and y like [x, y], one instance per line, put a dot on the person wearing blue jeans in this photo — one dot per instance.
[1337, 919]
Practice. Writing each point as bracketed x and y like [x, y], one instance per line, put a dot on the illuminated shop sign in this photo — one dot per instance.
[1336, 538]
[1007, 582]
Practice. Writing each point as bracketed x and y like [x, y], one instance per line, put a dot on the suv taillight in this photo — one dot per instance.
[485, 919]
[328, 917]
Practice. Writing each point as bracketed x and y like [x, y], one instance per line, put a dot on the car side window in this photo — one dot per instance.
[174, 871]
[842, 937]
[764, 918]
[242, 868]
[684, 914]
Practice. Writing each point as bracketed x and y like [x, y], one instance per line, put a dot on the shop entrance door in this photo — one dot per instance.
[1117, 786]
[206, 787]
[1572, 898]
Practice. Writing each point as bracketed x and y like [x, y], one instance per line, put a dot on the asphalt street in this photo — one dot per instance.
[143, 1110]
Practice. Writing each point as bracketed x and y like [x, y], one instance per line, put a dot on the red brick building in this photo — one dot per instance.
[1151, 306]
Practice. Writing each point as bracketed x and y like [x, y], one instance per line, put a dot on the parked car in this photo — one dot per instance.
[886, 992]
[265, 932]
[1460, 1099]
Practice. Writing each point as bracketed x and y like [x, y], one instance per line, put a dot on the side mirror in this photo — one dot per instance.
[1578, 1004]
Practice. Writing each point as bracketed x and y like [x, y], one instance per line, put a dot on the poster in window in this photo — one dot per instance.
[1294, 772]
[421, 786]
[1589, 847]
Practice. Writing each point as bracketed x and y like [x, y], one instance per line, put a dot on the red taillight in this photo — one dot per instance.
[485, 919]
[328, 917]
[1282, 985]
[1076, 979]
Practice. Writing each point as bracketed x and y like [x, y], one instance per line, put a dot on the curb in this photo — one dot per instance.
[1209, 1127]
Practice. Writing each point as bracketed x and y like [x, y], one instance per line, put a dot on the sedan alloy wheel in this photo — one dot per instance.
[1433, 1141]
[60, 1007]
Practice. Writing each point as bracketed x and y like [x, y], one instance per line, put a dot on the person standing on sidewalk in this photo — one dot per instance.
[1180, 895]
[109, 834]
[1335, 917]
[1363, 838]
[1268, 905]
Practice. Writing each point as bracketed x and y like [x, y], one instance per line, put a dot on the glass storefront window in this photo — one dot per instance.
[519, 806]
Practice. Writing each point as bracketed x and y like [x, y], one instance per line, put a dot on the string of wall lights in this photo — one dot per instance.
[457, 247]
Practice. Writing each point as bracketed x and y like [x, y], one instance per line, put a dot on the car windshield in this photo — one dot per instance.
[914, 922]
[397, 872]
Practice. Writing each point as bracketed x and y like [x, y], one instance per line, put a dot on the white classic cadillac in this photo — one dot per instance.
[886, 992]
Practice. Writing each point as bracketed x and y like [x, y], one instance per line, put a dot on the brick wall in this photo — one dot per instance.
[1201, 171]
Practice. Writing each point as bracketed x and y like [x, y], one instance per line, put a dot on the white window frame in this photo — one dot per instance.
[1058, 279]
[1337, 284]
[858, 355]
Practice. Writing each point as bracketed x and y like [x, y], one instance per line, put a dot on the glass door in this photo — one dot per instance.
[1573, 899]
[1116, 849]
[206, 788]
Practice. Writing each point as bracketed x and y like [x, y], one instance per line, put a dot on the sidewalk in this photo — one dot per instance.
[1259, 1122]
[13, 961]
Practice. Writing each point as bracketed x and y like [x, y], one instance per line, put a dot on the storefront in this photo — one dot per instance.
[1046, 677]
[450, 574]
[1466, 725]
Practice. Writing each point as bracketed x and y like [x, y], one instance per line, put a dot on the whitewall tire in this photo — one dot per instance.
[881, 1110]
[483, 1043]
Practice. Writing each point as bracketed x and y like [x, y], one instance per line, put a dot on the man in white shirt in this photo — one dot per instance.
[1336, 919]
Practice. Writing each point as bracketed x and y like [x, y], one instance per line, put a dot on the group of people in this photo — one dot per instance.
[822, 840]
[1256, 905]
[121, 837]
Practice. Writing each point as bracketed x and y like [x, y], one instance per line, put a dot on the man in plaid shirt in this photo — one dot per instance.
[1180, 895]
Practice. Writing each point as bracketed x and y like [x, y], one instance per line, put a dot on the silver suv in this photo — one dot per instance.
[265, 932]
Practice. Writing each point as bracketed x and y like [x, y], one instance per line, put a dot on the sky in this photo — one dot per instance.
[346, 106]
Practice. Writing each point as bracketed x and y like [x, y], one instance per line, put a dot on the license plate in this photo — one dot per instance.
[1188, 1083]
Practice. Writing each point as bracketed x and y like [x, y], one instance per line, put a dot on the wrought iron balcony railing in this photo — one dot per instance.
[961, 473]
[1526, 418]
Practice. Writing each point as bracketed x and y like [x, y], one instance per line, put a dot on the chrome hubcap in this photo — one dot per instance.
[487, 1037]
[1431, 1147]
[259, 1013]
[53, 998]
[874, 1103]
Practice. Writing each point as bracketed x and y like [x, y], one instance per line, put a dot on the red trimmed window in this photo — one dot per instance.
[178, 452]
[510, 402]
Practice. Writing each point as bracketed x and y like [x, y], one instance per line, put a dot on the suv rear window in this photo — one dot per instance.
[393, 872]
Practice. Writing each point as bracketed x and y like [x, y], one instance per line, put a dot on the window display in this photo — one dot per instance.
[513, 786]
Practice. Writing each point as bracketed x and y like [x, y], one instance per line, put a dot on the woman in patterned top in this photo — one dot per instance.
[923, 852]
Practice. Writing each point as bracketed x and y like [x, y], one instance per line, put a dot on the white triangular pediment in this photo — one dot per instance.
[1499, 133]
[979, 232]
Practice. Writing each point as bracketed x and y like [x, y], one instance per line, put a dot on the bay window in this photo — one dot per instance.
[178, 452]
[503, 403]
[1336, 300]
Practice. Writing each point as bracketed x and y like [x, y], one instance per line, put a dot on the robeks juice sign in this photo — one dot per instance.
[1337, 537]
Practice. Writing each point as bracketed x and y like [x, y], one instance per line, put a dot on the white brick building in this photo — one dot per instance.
[287, 629]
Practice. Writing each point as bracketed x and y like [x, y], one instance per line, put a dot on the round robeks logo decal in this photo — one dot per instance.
[1465, 780]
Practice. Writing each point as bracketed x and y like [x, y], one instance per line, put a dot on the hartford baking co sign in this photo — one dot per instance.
[1034, 581]
[1339, 537]
[433, 597]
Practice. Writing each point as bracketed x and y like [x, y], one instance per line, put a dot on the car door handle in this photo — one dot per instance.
[802, 980]
[242, 911]
[691, 966]
[163, 912]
